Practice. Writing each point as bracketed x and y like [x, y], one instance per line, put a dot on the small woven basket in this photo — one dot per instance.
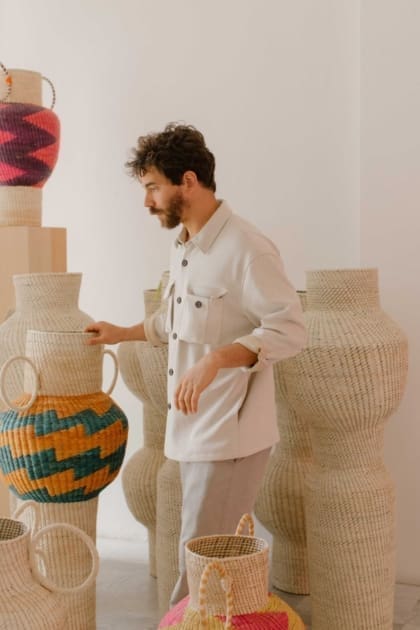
[228, 582]
[244, 558]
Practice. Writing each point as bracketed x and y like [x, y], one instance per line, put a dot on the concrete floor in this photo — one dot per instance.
[127, 597]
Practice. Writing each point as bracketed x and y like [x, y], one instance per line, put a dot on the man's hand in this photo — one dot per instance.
[194, 382]
[106, 333]
[109, 333]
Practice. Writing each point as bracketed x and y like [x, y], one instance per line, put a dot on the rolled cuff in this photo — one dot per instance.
[254, 344]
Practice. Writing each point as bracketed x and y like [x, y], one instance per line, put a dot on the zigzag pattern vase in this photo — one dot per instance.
[61, 445]
[29, 145]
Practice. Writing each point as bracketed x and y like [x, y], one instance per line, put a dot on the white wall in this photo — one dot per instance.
[390, 222]
[274, 86]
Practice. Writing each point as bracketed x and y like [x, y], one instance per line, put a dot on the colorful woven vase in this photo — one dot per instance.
[237, 596]
[29, 145]
[66, 441]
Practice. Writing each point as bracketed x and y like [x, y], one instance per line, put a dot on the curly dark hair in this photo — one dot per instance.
[175, 150]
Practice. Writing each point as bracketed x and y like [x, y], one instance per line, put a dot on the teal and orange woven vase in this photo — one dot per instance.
[61, 443]
[29, 145]
[228, 584]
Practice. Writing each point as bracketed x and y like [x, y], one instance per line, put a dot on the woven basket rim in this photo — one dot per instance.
[236, 537]
[23, 526]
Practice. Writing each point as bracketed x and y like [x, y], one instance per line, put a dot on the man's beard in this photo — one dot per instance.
[170, 217]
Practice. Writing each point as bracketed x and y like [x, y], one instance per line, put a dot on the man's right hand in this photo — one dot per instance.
[105, 333]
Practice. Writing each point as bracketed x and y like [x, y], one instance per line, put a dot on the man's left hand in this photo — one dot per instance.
[194, 382]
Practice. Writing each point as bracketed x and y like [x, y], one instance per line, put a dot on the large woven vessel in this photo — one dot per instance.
[29, 144]
[280, 502]
[345, 385]
[61, 443]
[140, 363]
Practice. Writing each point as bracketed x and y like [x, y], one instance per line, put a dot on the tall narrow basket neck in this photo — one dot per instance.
[343, 290]
[47, 291]
[26, 86]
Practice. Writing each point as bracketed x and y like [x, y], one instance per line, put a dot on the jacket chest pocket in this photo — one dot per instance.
[201, 316]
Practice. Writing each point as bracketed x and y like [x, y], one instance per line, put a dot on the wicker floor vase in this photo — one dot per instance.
[228, 584]
[280, 502]
[345, 384]
[168, 530]
[61, 445]
[138, 363]
[29, 142]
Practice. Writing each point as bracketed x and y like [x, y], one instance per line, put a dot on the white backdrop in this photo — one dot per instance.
[275, 87]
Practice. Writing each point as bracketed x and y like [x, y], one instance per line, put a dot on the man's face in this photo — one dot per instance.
[163, 198]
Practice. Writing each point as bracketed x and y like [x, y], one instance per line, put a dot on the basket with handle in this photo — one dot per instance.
[228, 583]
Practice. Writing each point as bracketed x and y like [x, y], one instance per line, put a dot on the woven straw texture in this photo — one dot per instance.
[345, 384]
[139, 363]
[280, 502]
[24, 604]
[66, 559]
[275, 615]
[168, 529]
[26, 86]
[245, 560]
[29, 144]
[44, 301]
[63, 448]
[20, 205]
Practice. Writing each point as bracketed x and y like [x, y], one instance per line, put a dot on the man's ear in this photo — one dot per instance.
[189, 179]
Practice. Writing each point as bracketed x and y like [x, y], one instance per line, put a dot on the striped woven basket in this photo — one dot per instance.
[228, 582]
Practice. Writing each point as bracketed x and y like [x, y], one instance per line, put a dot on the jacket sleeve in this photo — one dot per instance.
[154, 326]
[273, 307]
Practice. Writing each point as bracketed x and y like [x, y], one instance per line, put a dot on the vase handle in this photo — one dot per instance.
[226, 582]
[116, 370]
[8, 81]
[246, 518]
[51, 84]
[3, 393]
[43, 580]
[36, 510]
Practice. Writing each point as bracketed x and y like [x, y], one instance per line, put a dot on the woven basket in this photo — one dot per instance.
[29, 599]
[345, 384]
[61, 448]
[228, 581]
[280, 501]
[141, 367]
[44, 301]
[29, 145]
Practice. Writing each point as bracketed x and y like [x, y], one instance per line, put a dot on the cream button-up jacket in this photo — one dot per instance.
[226, 285]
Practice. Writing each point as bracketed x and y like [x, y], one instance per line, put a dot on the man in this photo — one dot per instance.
[229, 314]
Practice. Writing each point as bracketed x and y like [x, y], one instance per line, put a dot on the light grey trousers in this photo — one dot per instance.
[214, 497]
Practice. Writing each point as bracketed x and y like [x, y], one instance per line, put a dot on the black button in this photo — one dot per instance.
[199, 304]
[184, 262]
[169, 405]
[179, 300]
[171, 372]
[174, 336]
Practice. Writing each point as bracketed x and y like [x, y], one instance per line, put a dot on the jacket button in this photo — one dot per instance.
[184, 262]
[179, 300]
[171, 372]
[174, 336]
[199, 304]
[169, 405]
